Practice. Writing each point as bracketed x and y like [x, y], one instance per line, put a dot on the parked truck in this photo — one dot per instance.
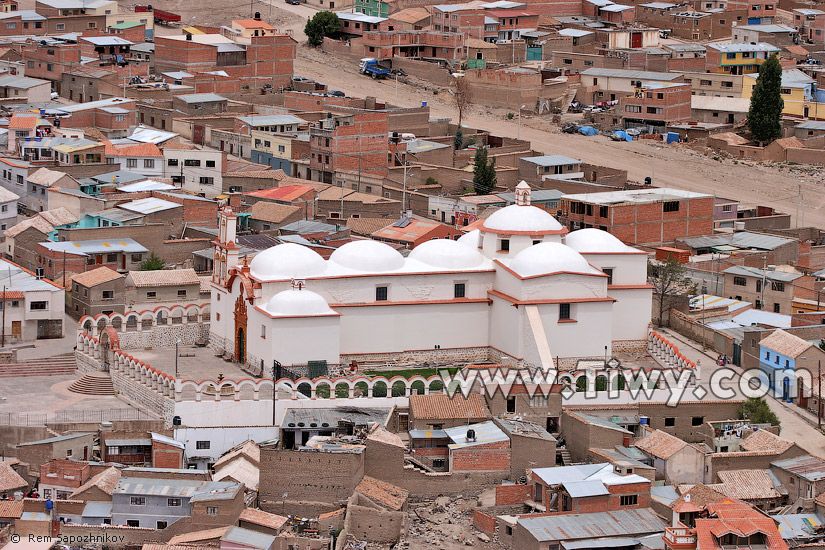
[370, 67]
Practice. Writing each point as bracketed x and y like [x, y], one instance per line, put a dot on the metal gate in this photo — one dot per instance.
[49, 328]
[737, 354]
[534, 54]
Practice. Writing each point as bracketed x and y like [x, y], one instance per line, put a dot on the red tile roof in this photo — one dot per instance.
[11, 508]
[9, 479]
[441, 406]
[285, 193]
[730, 516]
[254, 24]
[411, 232]
[128, 150]
[96, 277]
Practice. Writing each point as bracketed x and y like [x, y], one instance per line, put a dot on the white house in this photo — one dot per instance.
[33, 306]
[145, 159]
[8, 209]
[198, 170]
[519, 289]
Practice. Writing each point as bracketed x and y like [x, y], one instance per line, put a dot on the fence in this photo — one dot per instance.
[104, 415]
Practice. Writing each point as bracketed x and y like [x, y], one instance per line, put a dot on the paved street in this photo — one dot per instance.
[798, 424]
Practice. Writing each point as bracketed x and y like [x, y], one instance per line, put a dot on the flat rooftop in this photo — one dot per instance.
[636, 196]
[194, 363]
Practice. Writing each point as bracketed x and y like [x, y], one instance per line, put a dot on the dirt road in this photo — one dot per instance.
[674, 165]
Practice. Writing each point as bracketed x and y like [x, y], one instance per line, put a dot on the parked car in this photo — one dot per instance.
[336, 93]
[55, 95]
[293, 2]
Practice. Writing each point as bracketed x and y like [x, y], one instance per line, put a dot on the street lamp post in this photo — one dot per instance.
[653, 167]
[518, 134]
[177, 342]
[437, 347]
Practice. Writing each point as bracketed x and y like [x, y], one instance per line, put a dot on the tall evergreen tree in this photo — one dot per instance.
[484, 173]
[322, 24]
[765, 113]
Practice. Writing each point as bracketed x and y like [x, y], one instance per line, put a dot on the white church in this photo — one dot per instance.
[521, 290]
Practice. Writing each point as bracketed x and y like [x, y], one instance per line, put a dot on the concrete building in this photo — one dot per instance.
[33, 305]
[799, 93]
[724, 110]
[158, 503]
[24, 89]
[810, 23]
[737, 58]
[198, 170]
[645, 216]
[611, 84]
[549, 167]
[766, 288]
[149, 289]
[349, 144]
[653, 107]
[119, 254]
[97, 291]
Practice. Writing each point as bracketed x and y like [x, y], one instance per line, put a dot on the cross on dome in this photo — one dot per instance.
[298, 284]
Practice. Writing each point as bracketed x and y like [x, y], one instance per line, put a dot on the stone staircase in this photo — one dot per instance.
[52, 366]
[566, 459]
[93, 383]
[568, 98]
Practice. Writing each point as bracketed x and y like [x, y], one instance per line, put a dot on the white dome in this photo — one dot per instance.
[544, 258]
[594, 240]
[447, 254]
[298, 303]
[287, 261]
[368, 255]
[470, 239]
[529, 219]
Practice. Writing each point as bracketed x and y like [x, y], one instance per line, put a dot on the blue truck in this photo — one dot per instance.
[370, 67]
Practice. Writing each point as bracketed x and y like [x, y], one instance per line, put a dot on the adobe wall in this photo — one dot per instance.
[366, 521]
[756, 460]
[110, 536]
[10, 436]
[431, 72]
[684, 413]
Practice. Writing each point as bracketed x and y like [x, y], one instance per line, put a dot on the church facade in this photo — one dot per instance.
[520, 290]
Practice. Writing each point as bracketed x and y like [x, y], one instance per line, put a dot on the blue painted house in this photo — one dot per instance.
[780, 355]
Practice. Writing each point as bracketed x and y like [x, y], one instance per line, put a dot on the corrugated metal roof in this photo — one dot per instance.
[809, 467]
[626, 73]
[239, 535]
[771, 275]
[427, 434]
[593, 526]
[128, 442]
[148, 185]
[271, 120]
[578, 489]
[736, 47]
[51, 439]
[574, 32]
[97, 510]
[201, 98]
[149, 205]
[97, 246]
[551, 160]
[485, 432]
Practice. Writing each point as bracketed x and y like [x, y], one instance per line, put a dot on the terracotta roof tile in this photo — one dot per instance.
[765, 441]
[697, 497]
[785, 343]
[383, 436]
[165, 277]
[106, 481]
[9, 479]
[197, 536]
[58, 216]
[129, 150]
[441, 406]
[383, 493]
[660, 444]
[735, 516]
[284, 192]
[273, 212]
[96, 277]
[331, 514]
[367, 226]
[746, 484]
[36, 222]
[265, 519]
[11, 508]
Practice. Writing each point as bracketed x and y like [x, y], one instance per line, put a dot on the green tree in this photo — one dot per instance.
[458, 142]
[756, 410]
[323, 24]
[484, 173]
[431, 181]
[152, 263]
[765, 111]
[669, 283]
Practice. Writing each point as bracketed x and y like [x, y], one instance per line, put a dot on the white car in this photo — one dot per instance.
[55, 95]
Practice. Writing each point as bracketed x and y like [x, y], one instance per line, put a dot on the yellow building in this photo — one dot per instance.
[798, 92]
[737, 58]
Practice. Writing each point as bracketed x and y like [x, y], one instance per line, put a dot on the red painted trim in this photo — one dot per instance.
[628, 287]
[414, 303]
[562, 231]
[391, 274]
[261, 310]
[611, 253]
[518, 302]
[516, 275]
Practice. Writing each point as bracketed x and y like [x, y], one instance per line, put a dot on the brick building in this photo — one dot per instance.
[656, 106]
[688, 24]
[437, 411]
[57, 257]
[737, 58]
[645, 216]
[263, 60]
[810, 23]
[411, 232]
[97, 291]
[448, 46]
[355, 144]
[77, 446]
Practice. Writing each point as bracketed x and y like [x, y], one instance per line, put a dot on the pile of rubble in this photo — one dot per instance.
[445, 523]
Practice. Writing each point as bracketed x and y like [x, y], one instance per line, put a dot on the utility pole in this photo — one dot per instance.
[818, 395]
[798, 200]
[764, 280]
[404, 193]
[64, 269]
[437, 347]
[3, 332]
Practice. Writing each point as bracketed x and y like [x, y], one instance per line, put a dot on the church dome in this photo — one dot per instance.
[448, 254]
[526, 219]
[300, 303]
[595, 240]
[368, 255]
[287, 261]
[544, 258]
[470, 239]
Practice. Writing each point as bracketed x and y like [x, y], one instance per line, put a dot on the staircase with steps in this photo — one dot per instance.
[566, 459]
[93, 383]
[52, 366]
[568, 99]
